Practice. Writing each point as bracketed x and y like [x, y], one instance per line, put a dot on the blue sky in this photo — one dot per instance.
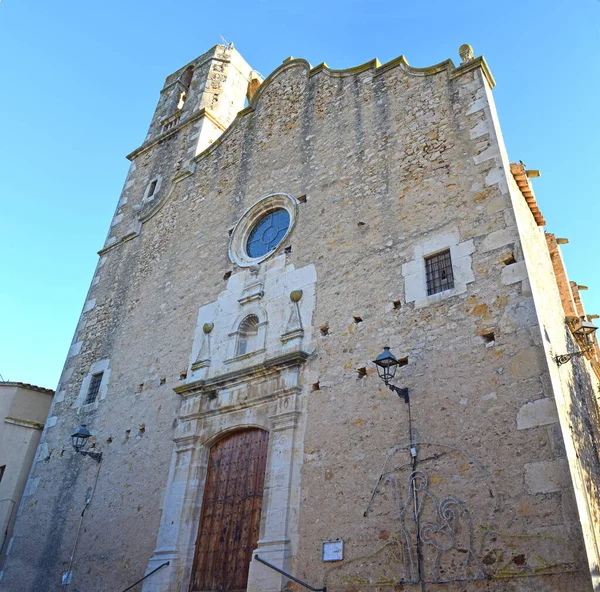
[80, 81]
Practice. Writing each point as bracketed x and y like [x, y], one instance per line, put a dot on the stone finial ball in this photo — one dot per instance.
[465, 52]
[208, 327]
[296, 295]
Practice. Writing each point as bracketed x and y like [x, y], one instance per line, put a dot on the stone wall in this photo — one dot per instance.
[570, 390]
[386, 165]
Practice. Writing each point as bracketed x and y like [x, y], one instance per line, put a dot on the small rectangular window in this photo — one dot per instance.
[92, 393]
[438, 270]
[2, 469]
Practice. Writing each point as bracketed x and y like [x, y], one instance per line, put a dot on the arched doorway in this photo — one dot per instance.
[230, 517]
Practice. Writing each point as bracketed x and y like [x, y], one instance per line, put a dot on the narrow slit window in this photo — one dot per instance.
[94, 388]
[438, 270]
[152, 188]
[2, 469]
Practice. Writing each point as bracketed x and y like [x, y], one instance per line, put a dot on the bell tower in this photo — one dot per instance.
[197, 104]
[208, 93]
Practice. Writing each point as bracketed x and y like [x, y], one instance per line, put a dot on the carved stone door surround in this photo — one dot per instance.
[266, 395]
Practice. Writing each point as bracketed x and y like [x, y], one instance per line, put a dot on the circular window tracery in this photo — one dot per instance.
[267, 233]
[262, 228]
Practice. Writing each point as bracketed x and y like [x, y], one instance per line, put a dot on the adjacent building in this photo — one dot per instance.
[271, 238]
[23, 412]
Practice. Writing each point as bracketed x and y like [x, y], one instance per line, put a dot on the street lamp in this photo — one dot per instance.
[584, 330]
[387, 364]
[79, 440]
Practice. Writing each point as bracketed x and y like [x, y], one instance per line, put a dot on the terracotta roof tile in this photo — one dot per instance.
[520, 175]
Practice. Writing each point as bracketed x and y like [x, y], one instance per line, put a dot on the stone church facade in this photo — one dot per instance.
[259, 259]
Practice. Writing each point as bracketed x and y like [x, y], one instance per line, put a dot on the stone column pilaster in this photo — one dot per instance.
[175, 536]
[279, 506]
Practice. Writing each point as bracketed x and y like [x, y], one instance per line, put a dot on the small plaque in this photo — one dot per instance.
[333, 550]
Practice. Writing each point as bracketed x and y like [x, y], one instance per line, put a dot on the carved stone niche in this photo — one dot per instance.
[266, 395]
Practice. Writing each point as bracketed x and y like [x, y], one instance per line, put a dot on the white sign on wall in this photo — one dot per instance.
[333, 550]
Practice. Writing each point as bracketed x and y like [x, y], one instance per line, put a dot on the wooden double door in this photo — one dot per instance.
[231, 508]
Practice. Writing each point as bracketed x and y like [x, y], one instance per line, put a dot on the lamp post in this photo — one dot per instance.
[584, 330]
[79, 440]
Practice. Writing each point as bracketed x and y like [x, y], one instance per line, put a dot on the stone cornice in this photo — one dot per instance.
[24, 423]
[267, 368]
[285, 421]
[185, 122]
[234, 408]
[474, 64]
[401, 62]
[120, 241]
[185, 443]
[373, 65]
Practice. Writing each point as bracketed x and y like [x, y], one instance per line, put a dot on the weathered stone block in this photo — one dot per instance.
[547, 476]
[537, 413]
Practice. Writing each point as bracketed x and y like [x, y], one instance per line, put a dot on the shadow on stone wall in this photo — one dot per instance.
[584, 425]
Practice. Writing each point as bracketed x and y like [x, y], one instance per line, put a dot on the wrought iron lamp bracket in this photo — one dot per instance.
[564, 358]
[97, 456]
[401, 392]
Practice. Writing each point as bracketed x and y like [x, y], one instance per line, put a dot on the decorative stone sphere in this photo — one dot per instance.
[208, 327]
[296, 295]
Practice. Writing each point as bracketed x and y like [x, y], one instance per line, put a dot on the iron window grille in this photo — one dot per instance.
[92, 393]
[438, 271]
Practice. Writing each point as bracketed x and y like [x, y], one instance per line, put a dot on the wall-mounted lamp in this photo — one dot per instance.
[583, 329]
[79, 440]
[387, 364]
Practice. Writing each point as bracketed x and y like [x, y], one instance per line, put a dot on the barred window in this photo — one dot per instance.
[92, 393]
[438, 271]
